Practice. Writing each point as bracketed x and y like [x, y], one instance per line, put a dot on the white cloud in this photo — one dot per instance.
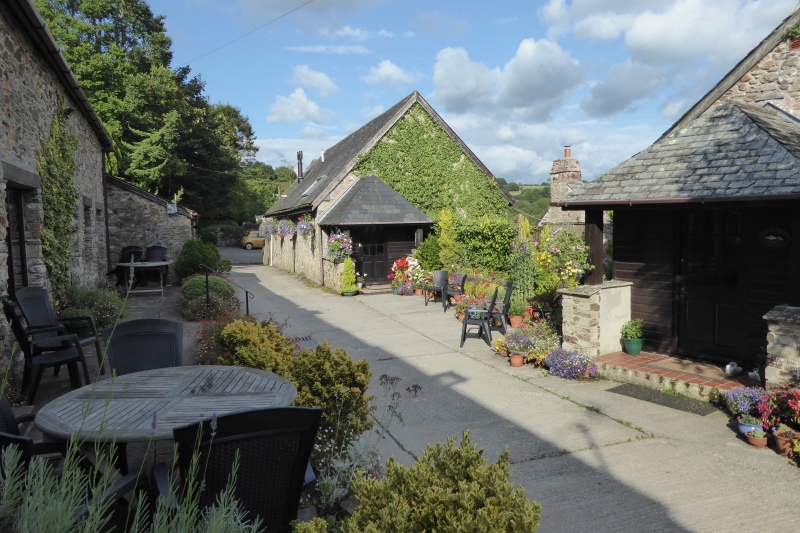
[298, 108]
[626, 83]
[371, 112]
[540, 77]
[388, 73]
[330, 49]
[307, 77]
[356, 34]
[438, 23]
[314, 132]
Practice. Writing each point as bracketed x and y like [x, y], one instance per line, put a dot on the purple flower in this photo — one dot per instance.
[569, 365]
[744, 400]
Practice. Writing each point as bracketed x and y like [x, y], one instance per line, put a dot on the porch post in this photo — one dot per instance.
[594, 240]
[794, 281]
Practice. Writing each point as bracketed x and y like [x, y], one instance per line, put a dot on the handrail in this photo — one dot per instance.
[248, 295]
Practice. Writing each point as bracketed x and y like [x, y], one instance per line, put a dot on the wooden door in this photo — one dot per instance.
[710, 293]
[372, 254]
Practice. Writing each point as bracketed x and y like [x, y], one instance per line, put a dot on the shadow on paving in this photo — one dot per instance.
[596, 498]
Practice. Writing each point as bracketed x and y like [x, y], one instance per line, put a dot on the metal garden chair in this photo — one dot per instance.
[51, 352]
[481, 318]
[273, 444]
[144, 344]
[34, 302]
[439, 284]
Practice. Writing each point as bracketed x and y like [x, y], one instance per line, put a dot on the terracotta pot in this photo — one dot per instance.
[418, 292]
[516, 359]
[503, 352]
[758, 442]
[515, 321]
[784, 445]
[461, 318]
[529, 312]
[456, 298]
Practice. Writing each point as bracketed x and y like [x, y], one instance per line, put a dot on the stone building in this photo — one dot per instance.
[707, 224]
[565, 177]
[34, 76]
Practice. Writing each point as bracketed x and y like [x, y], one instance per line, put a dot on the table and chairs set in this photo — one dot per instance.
[151, 397]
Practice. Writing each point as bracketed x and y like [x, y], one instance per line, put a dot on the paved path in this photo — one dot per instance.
[595, 460]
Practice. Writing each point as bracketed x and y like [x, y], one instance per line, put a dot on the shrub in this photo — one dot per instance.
[522, 271]
[196, 286]
[486, 242]
[332, 380]
[257, 345]
[743, 400]
[348, 276]
[318, 525]
[194, 253]
[632, 329]
[448, 489]
[198, 309]
[102, 305]
[225, 234]
[569, 365]
[449, 249]
[428, 253]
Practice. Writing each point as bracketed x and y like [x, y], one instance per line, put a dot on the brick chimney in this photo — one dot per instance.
[564, 172]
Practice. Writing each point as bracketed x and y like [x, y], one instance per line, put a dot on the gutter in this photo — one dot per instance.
[579, 205]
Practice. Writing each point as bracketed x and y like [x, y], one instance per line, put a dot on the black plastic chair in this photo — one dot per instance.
[153, 254]
[502, 312]
[145, 344]
[10, 433]
[483, 319]
[51, 353]
[34, 302]
[439, 284]
[127, 255]
[274, 445]
[454, 291]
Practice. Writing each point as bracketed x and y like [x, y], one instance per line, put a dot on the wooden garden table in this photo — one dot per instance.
[179, 396]
[161, 266]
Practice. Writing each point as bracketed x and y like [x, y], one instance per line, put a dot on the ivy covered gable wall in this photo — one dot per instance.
[420, 161]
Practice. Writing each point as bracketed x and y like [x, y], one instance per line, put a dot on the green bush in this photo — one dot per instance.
[348, 276]
[196, 286]
[318, 525]
[198, 309]
[448, 489]
[102, 305]
[258, 345]
[332, 380]
[194, 253]
[428, 253]
[449, 248]
[486, 242]
[226, 234]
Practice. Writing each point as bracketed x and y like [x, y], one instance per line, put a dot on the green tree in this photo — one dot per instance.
[449, 250]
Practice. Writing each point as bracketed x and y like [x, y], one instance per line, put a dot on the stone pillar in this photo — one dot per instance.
[783, 344]
[592, 316]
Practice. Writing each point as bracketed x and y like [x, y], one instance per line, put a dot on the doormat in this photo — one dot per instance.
[681, 403]
[688, 366]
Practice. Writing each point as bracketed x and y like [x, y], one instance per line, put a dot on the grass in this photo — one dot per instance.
[522, 188]
[672, 392]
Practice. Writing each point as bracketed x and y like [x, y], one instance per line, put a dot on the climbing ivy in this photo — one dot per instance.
[486, 242]
[420, 161]
[59, 195]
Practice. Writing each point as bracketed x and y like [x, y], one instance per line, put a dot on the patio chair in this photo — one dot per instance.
[34, 302]
[274, 445]
[481, 318]
[144, 344]
[54, 352]
[502, 312]
[10, 433]
[152, 254]
[127, 255]
[454, 291]
[439, 284]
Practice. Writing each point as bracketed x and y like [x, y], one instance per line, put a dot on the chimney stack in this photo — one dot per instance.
[299, 166]
[565, 175]
[567, 152]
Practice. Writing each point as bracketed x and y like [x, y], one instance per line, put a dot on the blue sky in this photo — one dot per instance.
[517, 81]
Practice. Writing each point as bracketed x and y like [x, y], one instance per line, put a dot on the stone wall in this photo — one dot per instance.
[297, 254]
[565, 175]
[333, 274]
[783, 344]
[28, 102]
[138, 218]
[775, 79]
[592, 316]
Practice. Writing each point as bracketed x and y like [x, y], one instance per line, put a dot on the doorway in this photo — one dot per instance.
[372, 253]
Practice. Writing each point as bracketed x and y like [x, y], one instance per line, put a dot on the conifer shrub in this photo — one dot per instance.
[428, 253]
[258, 345]
[449, 249]
[450, 488]
[348, 276]
[194, 253]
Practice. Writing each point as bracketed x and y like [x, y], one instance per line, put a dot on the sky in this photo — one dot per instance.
[517, 81]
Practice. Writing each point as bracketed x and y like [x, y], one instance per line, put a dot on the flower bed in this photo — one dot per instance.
[569, 365]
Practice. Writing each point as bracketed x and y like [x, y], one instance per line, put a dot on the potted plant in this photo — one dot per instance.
[348, 278]
[784, 439]
[516, 311]
[81, 329]
[499, 346]
[757, 438]
[463, 306]
[518, 343]
[748, 423]
[633, 336]
[360, 280]
[405, 289]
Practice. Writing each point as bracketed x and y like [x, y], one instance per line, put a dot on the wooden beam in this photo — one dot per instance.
[594, 240]
[794, 280]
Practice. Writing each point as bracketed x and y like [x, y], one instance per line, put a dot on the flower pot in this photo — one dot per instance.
[394, 290]
[349, 293]
[633, 346]
[359, 285]
[502, 352]
[516, 359]
[515, 321]
[794, 44]
[418, 292]
[461, 318]
[784, 445]
[456, 298]
[746, 428]
[758, 442]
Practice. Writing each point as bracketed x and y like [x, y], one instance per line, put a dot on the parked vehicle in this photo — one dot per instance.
[254, 240]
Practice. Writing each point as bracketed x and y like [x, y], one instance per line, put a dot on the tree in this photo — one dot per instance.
[449, 251]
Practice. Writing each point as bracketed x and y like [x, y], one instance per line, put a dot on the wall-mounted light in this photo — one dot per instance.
[68, 111]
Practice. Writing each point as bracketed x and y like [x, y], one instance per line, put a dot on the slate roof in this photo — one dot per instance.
[371, 201]
[342, 157]
[733, 152]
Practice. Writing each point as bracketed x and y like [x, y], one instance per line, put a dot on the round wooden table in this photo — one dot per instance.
[123, 408]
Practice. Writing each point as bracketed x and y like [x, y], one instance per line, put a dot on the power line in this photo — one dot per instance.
[251, 31]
